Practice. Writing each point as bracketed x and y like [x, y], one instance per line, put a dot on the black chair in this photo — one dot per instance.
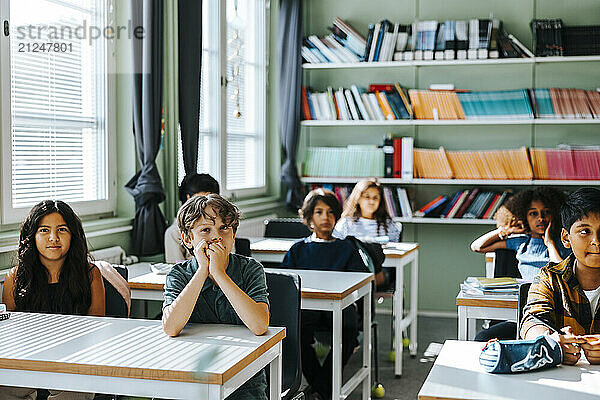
[523, 293]
[506, 264]
[284, 299]
[289, 228]
[115, 305]
[242, 247]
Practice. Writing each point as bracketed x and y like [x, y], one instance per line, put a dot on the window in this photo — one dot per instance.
[55, 129]
[233, 123]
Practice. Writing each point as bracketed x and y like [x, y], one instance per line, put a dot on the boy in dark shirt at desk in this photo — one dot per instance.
[565, 295]
[216, 286]
[321, 251]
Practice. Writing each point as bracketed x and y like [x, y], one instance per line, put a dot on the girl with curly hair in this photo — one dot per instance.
[533, 231]
[365, 215]
[53, 275]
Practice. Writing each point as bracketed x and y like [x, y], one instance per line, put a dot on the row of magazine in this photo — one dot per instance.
[392, 101]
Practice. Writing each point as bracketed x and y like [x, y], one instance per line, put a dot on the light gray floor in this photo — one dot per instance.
[415, 370]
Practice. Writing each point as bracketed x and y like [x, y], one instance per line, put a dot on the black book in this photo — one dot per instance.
[388, 156]
[369, 40]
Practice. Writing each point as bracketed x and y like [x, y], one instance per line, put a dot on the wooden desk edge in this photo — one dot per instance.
[231, 372]
[147, 286]
[337, 296]
[141, 373]
[479, 302]
[106, 370]
[407, 252]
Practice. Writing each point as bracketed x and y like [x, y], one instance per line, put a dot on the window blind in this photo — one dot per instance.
[57, 103]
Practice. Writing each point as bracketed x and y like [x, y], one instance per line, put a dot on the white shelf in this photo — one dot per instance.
[463, 182]
[432, 63]
[451, 221]
[451, 122]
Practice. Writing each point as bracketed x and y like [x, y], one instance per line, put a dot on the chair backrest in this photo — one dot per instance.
[117, 295]
[290, 228]
[506, 264]
[284, 299]
[242, 247]
[523, 293]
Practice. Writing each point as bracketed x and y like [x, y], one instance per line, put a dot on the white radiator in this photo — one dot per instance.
[253, 227]
[113, 255]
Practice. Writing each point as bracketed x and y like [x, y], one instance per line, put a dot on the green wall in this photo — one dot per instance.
[445, 257]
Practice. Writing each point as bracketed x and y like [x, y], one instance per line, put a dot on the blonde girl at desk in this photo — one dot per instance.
[53, 275]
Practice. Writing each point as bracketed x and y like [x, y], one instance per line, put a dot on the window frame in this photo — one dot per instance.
[220, 99]
[12, 214]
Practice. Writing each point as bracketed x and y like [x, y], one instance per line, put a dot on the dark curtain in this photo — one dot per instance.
[290, 81]
[190, 58]
[146, 186]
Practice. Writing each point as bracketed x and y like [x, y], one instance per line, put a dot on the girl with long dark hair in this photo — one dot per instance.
[53, 275]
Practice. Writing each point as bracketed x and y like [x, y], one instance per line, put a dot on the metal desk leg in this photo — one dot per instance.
[366, 387]
[414, 295]
[399, 313]
[462, 323]
[275, 377]
[336, 349]
[471, 322]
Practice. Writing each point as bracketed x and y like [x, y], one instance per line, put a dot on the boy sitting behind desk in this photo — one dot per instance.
[321, 251]
[216, 286]
[565, 295]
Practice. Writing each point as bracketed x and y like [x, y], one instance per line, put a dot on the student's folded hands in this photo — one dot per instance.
[591, 348]
[570, 345]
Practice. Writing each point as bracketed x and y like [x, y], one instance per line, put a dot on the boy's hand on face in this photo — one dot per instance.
[569, 344]
[200, 251]
[591, 348]
[218, 258]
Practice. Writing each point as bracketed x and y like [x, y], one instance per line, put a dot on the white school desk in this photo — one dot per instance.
[134, 357]
[472, 308]
[321, 290]
[457, 374]
[397, 255]
[334, 291]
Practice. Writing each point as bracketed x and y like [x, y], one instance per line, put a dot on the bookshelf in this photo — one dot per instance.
[460, 182]
[454, 221]
[429, 63]
[449, 122]
[446, 259]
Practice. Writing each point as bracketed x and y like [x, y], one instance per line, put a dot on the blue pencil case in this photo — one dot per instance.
[513, 356]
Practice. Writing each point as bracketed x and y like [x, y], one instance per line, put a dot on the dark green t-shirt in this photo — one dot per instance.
[213, 307]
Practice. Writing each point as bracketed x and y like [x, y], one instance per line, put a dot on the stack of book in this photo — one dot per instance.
[350, 161]
[477, 286]
[547, 37]
[467, 204]
[344, 45]
[393, 102]
[488, 164]
[421, 40]
[380, 102]
[565, 103]
[566, 162]
[433, 104]
[552, 38]
[506, 104]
